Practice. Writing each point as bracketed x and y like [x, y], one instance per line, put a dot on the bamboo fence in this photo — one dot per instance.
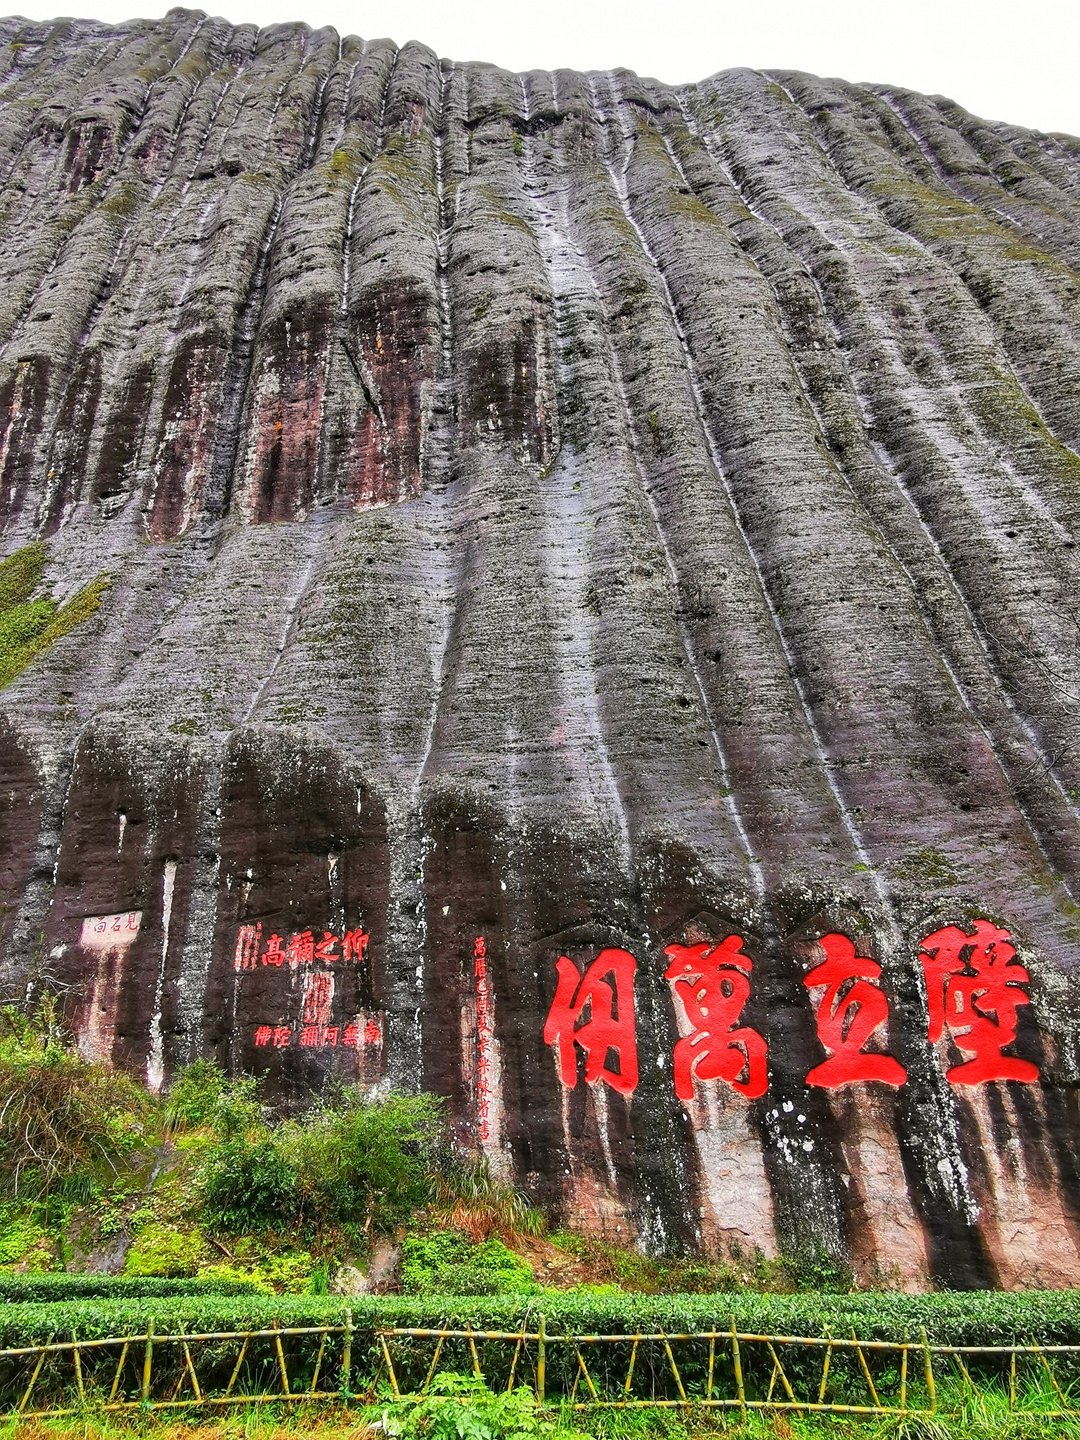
[722, 1369]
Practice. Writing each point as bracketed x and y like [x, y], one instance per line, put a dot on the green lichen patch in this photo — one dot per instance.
[926, 866]
[29, 627]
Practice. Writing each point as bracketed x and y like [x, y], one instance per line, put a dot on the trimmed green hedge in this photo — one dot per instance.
[54, 1288]
[970, 1317]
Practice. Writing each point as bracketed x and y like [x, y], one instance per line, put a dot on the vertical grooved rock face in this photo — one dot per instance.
[563, 592]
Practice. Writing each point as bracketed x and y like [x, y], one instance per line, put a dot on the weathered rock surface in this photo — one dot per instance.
[548, 514]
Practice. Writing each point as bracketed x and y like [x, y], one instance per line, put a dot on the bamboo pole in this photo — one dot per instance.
[390, 1367]
[903, 1375]
[33, 1381]
[346, 1355]
[239, 1362]
[674, 1368]
[825, 1375]
[318, 1365]
[633, 1362]
[475, 1358]
[779, 1370]
[514, 1361]
[737, 1360]
[431, 1369]
[865, 1368]
[148, 1360]
[78, 1369]
[191, 1372]
[119, 1370]
[281, 1363]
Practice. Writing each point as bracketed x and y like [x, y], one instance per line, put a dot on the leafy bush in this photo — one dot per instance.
[365, 1164]
[446, 1263]
[62, 1118]
[24, 1239]
[249, 1185]
[474, 1413]
[352, 1163]
[194, 1096]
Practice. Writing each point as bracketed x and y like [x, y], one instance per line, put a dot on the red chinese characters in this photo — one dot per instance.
[326, 949]
[317, 999]
[248, 939]
[485, 1033]
[273, 954]
[596, 1011]
[300, 949]
[851, 1009]
[356, 1035]
[974, 985]
[711, 983]
[320, 1036]
[355, 943]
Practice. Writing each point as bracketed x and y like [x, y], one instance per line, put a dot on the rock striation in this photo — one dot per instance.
[592, 626]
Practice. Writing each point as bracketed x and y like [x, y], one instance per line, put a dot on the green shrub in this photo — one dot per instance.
[477, 1413]
[62, 1119]
[196, 1093]
[249, 1185]
[202, 1097]
[23, 1238]
[364, 1164]
[447, 1263]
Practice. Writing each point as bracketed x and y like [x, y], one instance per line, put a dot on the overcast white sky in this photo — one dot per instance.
[1011, 61]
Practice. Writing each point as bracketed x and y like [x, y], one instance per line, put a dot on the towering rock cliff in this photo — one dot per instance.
[571, 603]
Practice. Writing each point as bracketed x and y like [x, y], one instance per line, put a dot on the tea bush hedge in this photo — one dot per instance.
[969, 1317]
[53, 1288]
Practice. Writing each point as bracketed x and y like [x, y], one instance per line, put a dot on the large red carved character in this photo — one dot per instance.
[850, 1011]
[711, 983]
[597, 1014]
[974, 985]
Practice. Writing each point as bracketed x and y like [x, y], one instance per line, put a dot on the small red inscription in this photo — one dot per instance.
[596, 1011]
[974, 985]
[849, 1012]
[485, 1034]
[711, 983]
[318, 1035]
[317, 998]
[248, 940]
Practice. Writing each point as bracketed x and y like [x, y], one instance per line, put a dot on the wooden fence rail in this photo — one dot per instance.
[715, 1369]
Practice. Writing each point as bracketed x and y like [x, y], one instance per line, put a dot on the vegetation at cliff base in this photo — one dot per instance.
[223, 1216]
[98, 1173]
